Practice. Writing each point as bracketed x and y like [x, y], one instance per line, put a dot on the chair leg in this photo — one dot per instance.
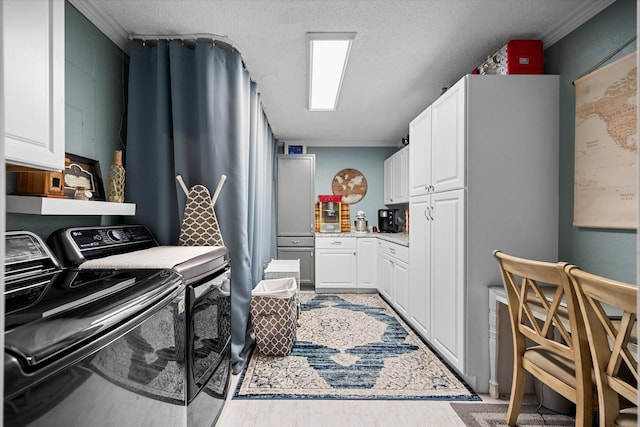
[584, 409]
[517, 393]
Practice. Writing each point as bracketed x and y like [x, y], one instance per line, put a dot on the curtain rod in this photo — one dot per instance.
[183, 37]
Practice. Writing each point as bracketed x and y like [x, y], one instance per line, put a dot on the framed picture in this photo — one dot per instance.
[82, 172]
[295, 149]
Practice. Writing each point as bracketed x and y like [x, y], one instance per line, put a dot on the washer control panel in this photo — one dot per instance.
[73, 246]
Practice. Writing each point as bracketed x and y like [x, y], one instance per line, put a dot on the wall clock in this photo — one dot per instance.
[351, 184]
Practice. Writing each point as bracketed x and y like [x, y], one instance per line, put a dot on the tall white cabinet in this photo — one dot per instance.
[488, 179]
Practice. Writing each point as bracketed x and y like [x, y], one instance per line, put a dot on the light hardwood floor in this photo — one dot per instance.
[337, 413]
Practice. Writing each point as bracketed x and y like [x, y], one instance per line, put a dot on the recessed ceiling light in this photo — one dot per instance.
[328, 54]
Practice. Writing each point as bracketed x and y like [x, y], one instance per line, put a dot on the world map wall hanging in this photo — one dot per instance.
[606, 147]
[351, 184]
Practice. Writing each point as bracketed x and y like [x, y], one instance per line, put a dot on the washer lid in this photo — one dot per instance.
[192, 262]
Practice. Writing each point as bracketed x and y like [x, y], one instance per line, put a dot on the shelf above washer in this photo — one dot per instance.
[53, 206]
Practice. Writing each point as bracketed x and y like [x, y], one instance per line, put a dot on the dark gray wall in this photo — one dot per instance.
[609, 253]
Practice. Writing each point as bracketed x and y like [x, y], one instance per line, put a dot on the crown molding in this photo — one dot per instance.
[104, 23]
[582, 15]
[355, 143]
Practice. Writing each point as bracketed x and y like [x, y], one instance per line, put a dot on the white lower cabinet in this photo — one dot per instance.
[367, 257]
[436, 277]
[335, 262]
[394, 279]
[419, 255]
[446, 275]
[385, 285]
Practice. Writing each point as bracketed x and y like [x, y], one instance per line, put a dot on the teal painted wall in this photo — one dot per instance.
[368, 160]
[95, 70]
[609, 253]
[95, 81]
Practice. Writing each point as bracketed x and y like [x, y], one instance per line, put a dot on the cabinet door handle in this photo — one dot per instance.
[393, 251]
[431, 212]
[426, 214]
[295, 242]
[336, 243]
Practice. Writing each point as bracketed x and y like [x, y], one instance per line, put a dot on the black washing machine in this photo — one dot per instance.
[205, 353]
[64, 330]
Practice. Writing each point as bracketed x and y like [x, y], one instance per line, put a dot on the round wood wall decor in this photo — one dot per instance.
[351, 184]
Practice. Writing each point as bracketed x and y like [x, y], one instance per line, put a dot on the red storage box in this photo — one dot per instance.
[326, 198]
[521, 57]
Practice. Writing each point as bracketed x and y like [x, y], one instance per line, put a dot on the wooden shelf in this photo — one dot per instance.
[52, 206]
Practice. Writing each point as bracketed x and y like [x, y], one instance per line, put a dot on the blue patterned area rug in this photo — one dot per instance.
[352, 346]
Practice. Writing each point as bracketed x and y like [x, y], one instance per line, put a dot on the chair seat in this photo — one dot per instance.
[628, 417]
[559, 367]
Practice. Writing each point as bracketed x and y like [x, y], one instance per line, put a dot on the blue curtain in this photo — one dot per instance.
[194, 111]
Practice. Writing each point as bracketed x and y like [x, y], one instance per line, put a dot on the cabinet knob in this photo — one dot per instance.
[295, 242]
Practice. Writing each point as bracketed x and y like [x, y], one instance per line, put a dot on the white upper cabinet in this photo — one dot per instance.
[448, 118]
[420, 154]
[396, 178]
[388, 181]
[34, 58]
[437, 136]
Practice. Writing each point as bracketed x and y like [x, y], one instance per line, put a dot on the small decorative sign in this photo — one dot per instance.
[82, 172]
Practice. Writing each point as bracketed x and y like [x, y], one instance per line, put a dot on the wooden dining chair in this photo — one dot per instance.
[613, 343]
[549, 338]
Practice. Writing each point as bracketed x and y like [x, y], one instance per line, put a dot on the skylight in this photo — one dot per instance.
[328, 54]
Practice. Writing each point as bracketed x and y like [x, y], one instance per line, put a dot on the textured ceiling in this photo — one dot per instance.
[404, 53]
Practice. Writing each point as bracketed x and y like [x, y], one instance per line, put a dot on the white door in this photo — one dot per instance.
[419, 258]
[379, 261]
[447, 275]
[388, 181]
[367, 250]
[34, 64]
[420, 154]
[400, 279]
[335, 268]
[386, 278]
[448, 118]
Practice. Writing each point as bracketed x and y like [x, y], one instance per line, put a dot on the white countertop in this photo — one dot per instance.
[399, 238]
